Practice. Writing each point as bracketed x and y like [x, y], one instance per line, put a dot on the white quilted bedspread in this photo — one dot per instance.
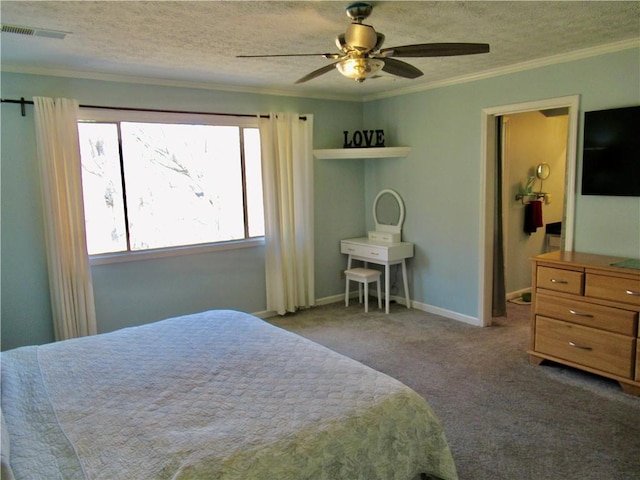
[218, 395]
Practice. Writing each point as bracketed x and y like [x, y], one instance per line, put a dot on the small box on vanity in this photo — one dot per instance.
[388, 237]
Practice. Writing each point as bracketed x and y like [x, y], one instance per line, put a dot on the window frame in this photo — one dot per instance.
[97, 115]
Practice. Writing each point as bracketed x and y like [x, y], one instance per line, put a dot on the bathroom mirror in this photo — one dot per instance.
[543, 171]
[388, 215]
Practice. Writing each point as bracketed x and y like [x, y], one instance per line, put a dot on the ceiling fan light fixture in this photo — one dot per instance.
[359, 68]
[361, 55]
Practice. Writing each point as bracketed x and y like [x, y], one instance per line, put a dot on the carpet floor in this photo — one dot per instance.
[504, 418]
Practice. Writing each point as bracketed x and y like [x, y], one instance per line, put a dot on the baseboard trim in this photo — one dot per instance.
[446, 313]
[334, 298]
[401, 301]
[517, 293]
[319, 301]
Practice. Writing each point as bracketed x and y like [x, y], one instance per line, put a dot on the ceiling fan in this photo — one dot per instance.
[361, 57]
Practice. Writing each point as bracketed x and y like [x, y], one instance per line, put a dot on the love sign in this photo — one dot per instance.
[364, 138]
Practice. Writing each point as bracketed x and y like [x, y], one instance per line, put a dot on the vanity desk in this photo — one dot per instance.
[384, 246]
[380, 253]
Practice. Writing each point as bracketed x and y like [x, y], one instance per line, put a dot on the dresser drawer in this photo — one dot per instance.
[560, 280]
[616, 289]
[589, 314]
[371, 252]
[605, 351]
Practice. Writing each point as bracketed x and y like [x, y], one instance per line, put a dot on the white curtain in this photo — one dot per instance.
[287, 177]
[61, 177]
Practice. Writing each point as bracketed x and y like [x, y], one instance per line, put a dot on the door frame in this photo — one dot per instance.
[487, 185]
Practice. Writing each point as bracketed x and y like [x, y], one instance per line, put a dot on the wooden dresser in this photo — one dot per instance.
[584, 314]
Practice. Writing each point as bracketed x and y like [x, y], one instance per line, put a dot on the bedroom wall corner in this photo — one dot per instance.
[139, 292]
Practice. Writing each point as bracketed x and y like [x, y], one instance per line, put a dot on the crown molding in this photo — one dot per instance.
[107, 77]
[515, 68]
[518, 67]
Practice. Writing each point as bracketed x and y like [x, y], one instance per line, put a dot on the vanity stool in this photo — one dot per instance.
[364, 276]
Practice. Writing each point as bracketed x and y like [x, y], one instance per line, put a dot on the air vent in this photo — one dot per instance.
[33, 32]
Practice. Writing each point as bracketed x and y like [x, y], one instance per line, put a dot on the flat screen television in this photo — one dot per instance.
[611, 152]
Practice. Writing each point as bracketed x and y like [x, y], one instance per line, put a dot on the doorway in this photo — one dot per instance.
[534, 153]
[490, 153]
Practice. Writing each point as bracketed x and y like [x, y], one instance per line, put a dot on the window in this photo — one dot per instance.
[158, 181]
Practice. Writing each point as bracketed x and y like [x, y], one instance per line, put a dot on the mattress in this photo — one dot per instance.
[220, 394]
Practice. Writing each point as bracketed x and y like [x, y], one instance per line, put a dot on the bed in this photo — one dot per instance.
[215, 395]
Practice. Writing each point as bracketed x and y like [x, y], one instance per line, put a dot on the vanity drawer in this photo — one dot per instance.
[388, 237]
[560, 280]
[617, 289]
[589, 314]
[605, 351]
[371, 252]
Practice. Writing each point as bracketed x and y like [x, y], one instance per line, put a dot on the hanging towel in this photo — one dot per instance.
[532, 216]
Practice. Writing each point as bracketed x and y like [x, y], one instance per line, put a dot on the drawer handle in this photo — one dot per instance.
[563, 282]
[580, 314]
[374, 253]
[575, 345]
[631, 292]
[351, 249]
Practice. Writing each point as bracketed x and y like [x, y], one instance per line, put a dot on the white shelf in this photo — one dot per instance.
[376, 152]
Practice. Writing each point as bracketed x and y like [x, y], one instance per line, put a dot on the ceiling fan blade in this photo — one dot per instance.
[323, 55]
[435, 50]
[317, 73]
[401, 69]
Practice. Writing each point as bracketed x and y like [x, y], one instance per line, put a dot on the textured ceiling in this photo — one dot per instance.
[198, 41]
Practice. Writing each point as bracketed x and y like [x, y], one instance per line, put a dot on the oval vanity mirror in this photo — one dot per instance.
[543, 171]
[388, 215]
[387, 210]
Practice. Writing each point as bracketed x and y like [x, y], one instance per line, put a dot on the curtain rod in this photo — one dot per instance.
[22, 102]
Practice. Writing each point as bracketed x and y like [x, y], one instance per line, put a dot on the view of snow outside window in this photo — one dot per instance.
[183, 185]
